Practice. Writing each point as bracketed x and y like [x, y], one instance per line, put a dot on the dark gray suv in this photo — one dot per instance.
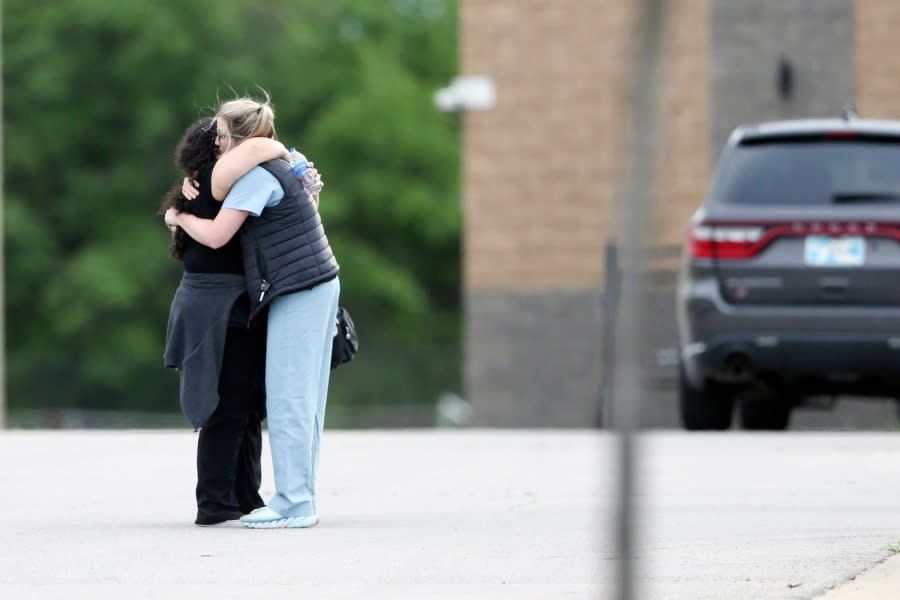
[790, 285]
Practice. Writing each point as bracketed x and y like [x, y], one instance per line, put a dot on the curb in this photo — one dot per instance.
[882, 582]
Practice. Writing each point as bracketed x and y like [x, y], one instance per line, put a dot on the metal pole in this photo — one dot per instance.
[608, 341]
[637, 215]
[2, 261]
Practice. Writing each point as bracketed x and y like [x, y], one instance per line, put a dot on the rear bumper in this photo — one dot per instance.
[831, 349]
[837, 361]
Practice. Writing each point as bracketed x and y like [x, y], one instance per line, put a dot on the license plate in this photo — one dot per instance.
[828, 251]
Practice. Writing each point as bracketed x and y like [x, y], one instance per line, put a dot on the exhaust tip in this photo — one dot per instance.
[738, 366]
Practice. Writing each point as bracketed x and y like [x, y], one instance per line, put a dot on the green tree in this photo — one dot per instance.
[96, 100]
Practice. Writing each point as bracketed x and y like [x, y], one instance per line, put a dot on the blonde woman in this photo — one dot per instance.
[291, 270]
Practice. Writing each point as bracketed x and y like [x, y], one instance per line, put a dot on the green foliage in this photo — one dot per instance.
[95, 101]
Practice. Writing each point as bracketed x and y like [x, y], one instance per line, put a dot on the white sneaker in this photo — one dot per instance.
[266, 518]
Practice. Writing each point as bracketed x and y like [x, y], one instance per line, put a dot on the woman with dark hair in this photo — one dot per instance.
[217, 348]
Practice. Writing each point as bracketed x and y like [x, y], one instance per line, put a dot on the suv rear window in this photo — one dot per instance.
[810, 170]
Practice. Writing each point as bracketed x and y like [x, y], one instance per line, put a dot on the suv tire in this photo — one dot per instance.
[707, 408]
[765, 411]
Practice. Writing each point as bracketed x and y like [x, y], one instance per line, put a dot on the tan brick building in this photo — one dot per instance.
[541, 170]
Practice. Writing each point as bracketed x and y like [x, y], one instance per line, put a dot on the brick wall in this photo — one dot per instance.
[878, 58]
[537, 168]
[684, 123]
[541, 176]
[750, 36]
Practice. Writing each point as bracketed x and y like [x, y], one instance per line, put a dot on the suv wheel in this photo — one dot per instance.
[705, 408]
[765, 410]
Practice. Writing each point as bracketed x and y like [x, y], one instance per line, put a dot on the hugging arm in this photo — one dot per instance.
[214, 233]
[235, 163]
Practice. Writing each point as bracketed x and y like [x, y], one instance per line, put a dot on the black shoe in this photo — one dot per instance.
[217, 518]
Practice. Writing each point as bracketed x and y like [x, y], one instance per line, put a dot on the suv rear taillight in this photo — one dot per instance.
[726, 242]
[742, 241]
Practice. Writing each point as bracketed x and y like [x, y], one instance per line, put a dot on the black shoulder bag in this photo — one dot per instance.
[345, 343]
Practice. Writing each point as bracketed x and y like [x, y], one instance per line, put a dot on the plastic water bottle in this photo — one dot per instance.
[300, 166]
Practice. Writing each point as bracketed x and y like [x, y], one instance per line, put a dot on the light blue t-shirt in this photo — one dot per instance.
[253, 192]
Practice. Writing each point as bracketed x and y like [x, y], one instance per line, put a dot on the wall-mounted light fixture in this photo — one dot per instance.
[469, 92]
[784, 78]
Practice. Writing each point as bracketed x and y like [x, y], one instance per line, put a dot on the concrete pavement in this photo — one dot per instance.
[460, 514]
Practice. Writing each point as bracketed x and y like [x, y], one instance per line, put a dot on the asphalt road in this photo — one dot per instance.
[458, 514]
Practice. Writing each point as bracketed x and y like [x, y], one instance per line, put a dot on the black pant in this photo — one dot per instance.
[229, 447]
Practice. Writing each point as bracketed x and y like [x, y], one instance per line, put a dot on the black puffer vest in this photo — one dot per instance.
[285, 248]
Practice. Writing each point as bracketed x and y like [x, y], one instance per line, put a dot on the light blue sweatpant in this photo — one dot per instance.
[298, 366]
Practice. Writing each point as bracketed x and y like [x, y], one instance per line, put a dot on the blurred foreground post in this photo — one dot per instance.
[636, 218]
[2, 262]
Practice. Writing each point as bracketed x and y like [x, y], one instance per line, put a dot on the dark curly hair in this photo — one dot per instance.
[195, 151]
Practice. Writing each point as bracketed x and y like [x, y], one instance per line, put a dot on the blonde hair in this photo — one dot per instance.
[248, 117]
